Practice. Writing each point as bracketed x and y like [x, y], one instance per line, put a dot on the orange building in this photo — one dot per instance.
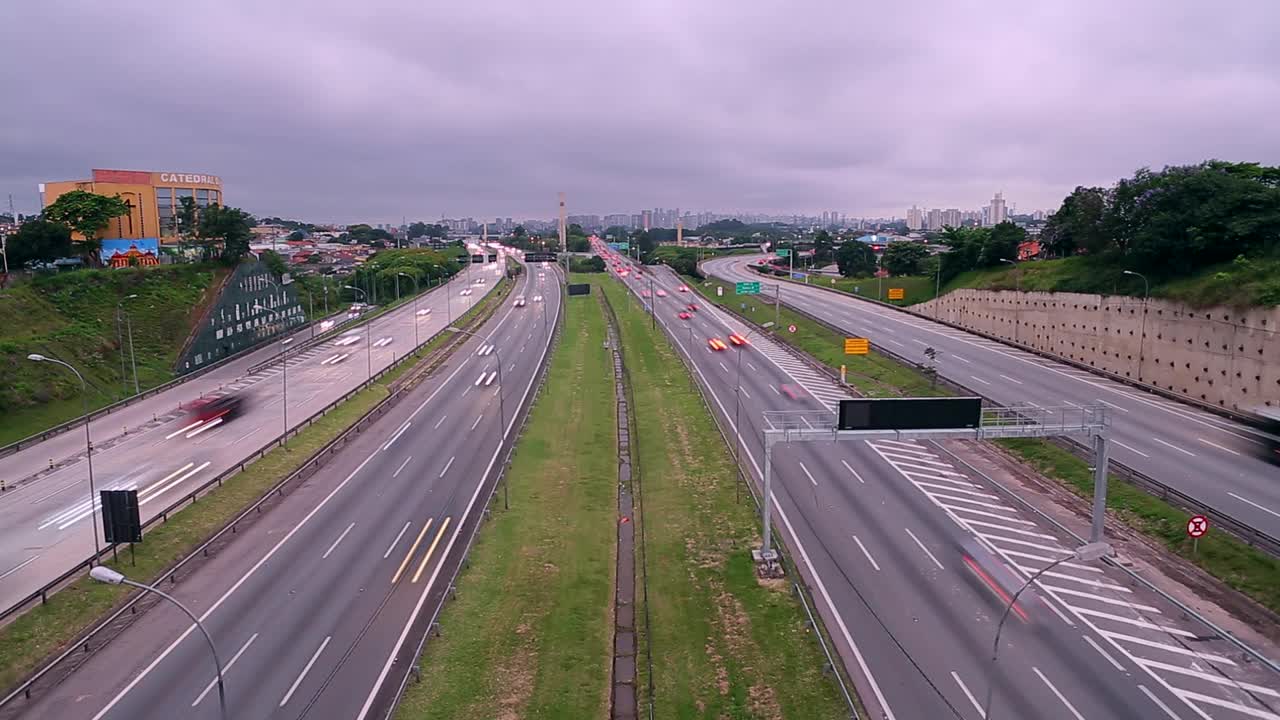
[153, 199]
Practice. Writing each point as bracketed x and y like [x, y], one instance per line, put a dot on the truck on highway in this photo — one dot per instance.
[1268, 420]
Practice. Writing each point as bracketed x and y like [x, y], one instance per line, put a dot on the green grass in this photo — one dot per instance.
[71, 316]
[530, 634]
[725, 645]
[1241, 567]
[874, 374]
[46, 629]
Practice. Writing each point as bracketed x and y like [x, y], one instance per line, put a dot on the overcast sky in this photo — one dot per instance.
[343, 111]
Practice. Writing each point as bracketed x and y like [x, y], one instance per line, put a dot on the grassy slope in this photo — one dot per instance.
[71, 316]
[724, 645]
[531, 631]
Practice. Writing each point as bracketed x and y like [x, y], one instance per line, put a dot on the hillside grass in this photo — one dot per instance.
[724, 644]
[71, 316]
[530, 633]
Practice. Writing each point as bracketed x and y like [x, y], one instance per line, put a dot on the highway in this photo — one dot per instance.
[911, 560]
[311, 607]
[45, 525]
[1205, 456]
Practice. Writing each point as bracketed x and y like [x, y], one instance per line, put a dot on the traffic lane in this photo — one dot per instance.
[109, 670]
[40, 542]
[1199, 445]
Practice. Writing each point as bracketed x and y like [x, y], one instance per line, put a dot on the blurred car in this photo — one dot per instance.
[737, 339]
[465, 291]
[717, 344]
[1268, 446]
[692, 307]
[223, 409]
[424, 311]
[519, 301]
[684, 315]
[662, 293]
[644, 293]
[683, 288]
[537, 298]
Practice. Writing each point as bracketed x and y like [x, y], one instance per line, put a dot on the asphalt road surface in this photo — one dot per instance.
[1205, 456]
[913, 559]
[310, 605]
[46, 524]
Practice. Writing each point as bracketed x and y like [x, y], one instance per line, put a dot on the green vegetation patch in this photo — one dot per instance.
[530, 633]
[47, 629]
[724, 644]
[1241, 567]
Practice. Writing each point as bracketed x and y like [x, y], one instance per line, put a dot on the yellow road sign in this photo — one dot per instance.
[856, 346]
[897, 293]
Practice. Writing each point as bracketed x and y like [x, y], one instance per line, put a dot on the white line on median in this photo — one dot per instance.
[1061, 697]
[808, 475]
[406, 462]
[864, 552]
[225, 669]
[395, 542]
[1273, 512]
[968, 694]
[1103, 653]
[477, 422]
[439, 422]
[306, 669]
[19, 566]
[335, 542]
[925, 549]
[854, 472]
[447, 465]
[399, 432]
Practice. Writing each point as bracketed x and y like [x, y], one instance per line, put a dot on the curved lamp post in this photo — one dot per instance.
[368, 333]
[88, 443]
[1142, 337]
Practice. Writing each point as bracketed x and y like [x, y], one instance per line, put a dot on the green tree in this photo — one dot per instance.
[188, 219]
[38, 241]
[1001, 244]
[904, 258]
[275, 263]
[518, 231]
[822, 247]
[87, 214]
[417, 230]
[966, 249]
[1077, 225]
[227, 228]
[578, 243]
[296, 235]
[855, 259]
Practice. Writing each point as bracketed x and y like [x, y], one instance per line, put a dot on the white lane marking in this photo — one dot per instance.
[944, 468]
[1152, 697]
[992, 506]
[492, 375]
[240, 439]
[1015, 382]
[1047, 560]
[961, 359]
[306, 669]
[1009, 529]
[1175, 447]
[447, 465]
[222, 598]
[724, 368]
[19, 566]
[1210, 677]
[477, 422]
[1187, 696]
[1068, 402]
[175, 433]
[751, 367]
[395, 542]
[864, 552]
[895, 342]
[1103, 653]
[225, 669]
[396, 437]
[512, 368]
[984, 513]
[181, 479]
[439, 422]
[1061, 697]
[948, 488]
[1093, 583]
[335, 542]
[1113, 406]
[396, 474]
[744, 392]
[1243, 500]
[1136, 623]
[1101, 598]
[480, 379]
[975, 377]
[854, 472]
[925, 549]
[808, 474]
[1130, 449]
[1216, 445]
[968, 694]
[211, 424]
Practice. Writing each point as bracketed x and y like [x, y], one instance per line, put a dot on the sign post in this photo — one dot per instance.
[856, 346]
[1197, 526]
[747, 288]
[897, 294]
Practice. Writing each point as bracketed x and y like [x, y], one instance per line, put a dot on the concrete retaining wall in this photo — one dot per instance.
[1226, 356]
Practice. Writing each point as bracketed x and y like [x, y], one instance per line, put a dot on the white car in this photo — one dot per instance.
[519, 301]
[465, 291]
[537, 298]
[424, 311]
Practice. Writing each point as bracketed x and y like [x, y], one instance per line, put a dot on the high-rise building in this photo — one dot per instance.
[998, 211]
[951, 217]
[935, 219]
[646, 219]
[914, 218]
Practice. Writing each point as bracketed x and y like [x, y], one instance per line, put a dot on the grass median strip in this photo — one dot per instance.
[1243, 568]
[724, 644]
[529, 634]
[41, 632]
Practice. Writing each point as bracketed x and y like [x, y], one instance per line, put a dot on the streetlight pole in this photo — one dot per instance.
[937, 288]
[104, 574]
[132, 358]
[1085, 553]
[88, 443]
[368, 333]
[1017, 310]
[1142, 336]
[502, 411]
[415, 304]
[284, 373]
[737, 412]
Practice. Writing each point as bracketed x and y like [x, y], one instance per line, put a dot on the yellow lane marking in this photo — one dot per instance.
[409, 555]
[427, 558]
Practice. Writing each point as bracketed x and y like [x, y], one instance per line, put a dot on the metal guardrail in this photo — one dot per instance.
[412, 669]
[306, 469]
[1244, 532]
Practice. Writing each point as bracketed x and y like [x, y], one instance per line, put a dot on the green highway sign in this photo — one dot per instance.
[748, 288]
[783, 252]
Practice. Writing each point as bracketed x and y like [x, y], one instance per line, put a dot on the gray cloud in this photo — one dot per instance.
[347, 111]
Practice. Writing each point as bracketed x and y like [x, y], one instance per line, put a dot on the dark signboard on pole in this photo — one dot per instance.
[534, 257]
[580, 289]
[910, 413]
[121, 522]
